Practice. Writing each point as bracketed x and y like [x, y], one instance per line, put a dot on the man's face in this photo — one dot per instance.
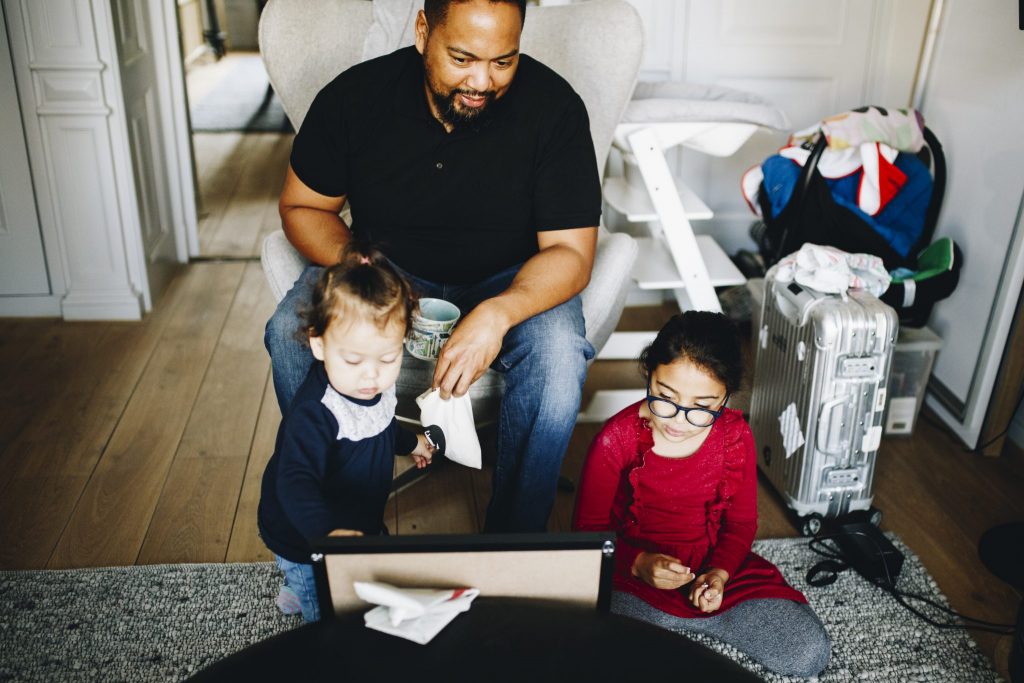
[469, 59]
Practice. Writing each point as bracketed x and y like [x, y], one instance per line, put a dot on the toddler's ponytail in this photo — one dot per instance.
[363, 283]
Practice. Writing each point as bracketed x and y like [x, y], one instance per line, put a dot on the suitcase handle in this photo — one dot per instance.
[793, 302]
[787, 308]
[830, 426]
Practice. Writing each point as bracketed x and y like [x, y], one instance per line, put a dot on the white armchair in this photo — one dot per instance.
[596, 46]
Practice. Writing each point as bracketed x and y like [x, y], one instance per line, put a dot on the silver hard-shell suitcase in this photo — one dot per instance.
[819, 397]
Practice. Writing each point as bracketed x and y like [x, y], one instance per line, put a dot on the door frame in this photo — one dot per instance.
[177, 128]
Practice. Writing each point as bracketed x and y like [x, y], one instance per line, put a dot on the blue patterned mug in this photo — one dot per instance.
[432, 324]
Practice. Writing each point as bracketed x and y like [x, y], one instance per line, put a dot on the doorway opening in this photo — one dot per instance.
[241, 138]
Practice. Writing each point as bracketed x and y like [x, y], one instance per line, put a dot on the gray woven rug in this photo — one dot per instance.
[164, 623]
[242, 101]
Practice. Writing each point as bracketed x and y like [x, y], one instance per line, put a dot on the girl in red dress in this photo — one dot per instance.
[675, 477]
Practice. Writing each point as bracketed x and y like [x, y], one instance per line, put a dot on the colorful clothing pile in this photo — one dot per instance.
[869, 165]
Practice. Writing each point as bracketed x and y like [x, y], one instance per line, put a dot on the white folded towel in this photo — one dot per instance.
[416, 614]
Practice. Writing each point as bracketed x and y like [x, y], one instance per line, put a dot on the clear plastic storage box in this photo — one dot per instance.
[912, 362]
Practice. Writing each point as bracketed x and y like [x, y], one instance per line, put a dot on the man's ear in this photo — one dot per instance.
[316, 345]
[421, 32]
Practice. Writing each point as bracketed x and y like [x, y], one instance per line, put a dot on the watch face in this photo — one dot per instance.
[435, 437]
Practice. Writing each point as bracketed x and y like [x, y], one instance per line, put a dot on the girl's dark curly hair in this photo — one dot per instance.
[708, 340]
[363, 285]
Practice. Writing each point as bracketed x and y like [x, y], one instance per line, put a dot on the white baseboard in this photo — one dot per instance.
[97, 306]
[30, 307]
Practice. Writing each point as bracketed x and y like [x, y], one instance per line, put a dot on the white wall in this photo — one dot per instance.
[818, 58]
[973, 98]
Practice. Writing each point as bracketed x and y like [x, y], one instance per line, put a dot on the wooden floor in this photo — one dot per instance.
[135, 443]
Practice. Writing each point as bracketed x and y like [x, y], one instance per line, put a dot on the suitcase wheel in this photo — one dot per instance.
[811, 524]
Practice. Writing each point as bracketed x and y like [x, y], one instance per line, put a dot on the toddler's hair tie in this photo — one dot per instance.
[364, 260]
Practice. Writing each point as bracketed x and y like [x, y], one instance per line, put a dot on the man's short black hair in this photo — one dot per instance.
[436, 11]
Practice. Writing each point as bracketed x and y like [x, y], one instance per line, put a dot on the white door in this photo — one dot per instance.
[133, 30]
[22, 264]
[811, 58]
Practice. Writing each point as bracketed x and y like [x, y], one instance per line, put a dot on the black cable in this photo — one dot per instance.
[977, 625]
[889, 586]
[979, 449]
[937, 422]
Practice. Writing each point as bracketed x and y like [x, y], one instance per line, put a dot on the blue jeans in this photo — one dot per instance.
[299, 577]
[543, 361]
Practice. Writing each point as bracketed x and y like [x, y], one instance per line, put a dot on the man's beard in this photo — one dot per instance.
[462, 115]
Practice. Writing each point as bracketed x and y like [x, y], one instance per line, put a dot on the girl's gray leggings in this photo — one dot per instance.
[781, 635]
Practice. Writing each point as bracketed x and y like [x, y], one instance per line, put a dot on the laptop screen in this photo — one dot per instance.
[567, 567]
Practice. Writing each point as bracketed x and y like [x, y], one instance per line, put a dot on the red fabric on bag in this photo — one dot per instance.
[701, 509]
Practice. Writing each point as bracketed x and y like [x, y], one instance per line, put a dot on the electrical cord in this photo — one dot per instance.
[840, 563]
[982, 447]
[936, 422]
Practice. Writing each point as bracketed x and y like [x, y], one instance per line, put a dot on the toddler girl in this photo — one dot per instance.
[333, 462]
[675, 477]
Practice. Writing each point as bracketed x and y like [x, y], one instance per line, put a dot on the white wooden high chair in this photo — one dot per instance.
[708, 119]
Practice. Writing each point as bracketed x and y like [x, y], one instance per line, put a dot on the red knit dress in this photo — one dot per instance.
[701, 509]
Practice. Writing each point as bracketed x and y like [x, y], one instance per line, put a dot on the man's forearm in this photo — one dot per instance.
[318, 235]
[549, 278]
[559, 271]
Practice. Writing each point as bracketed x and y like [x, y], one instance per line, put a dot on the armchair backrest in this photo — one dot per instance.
[595, 45]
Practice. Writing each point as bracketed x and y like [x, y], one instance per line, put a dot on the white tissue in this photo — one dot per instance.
[455, 418]
[416, 614]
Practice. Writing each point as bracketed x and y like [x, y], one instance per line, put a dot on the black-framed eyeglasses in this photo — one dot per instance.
[698, 417]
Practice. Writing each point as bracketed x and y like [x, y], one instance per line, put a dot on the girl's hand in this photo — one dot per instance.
[423, 453]
[346, 532]
[661, 571]
[708, 589]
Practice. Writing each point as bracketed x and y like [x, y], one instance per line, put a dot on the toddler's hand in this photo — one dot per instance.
[423, 453]
[708, 589]
[661, 571]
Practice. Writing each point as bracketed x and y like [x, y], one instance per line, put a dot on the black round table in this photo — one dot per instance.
[501, 639]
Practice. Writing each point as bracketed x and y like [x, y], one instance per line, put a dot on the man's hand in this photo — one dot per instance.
[708, 589]
[346, 532]
[473, 346]
[423, 453]
[661, 571]
[556, 273]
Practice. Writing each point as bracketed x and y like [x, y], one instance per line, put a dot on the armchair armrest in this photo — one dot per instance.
[605, 296]
[282, 264]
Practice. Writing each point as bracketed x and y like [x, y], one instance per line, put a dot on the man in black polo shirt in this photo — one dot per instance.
[473, 167]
